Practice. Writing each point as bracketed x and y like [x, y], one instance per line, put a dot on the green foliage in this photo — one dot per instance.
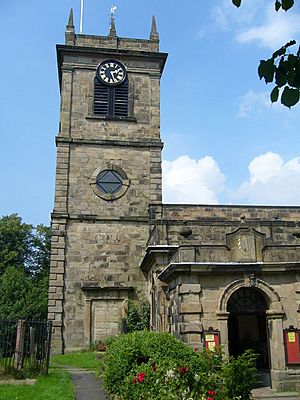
[24, 269]
[240, 375]
[145, 365]
[284, 4]
[41, 239]
[138, 316]
[31, 371]
[128, 352]
[283, 68]
[15, 243]
[22, 296]
[24, 246]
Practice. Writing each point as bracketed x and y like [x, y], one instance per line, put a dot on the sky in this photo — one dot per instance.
[224, 143]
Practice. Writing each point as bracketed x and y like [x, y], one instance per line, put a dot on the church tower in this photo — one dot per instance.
[108, 172]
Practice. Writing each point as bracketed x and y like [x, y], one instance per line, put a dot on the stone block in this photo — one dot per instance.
[190, 288]
[191, 327]
[190, 308]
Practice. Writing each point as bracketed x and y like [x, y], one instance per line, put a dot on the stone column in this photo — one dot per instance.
[87, 322]
[190, 310]
[276, 346]
[223, 328]
[19, 350]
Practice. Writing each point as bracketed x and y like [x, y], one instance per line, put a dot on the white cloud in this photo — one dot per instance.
[228, 17]
[272, 181]
[265, 167]
[186, 180]
[220, 16]
[277, 29]
[253, 103]
[257, 21]
[256, 104]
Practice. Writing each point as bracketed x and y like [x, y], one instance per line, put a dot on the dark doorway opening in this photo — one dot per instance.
[247, 328]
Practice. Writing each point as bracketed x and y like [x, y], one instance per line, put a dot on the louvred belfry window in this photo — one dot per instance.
[111, 101]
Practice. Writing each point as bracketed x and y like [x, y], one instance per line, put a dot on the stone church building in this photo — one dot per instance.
[212, 274]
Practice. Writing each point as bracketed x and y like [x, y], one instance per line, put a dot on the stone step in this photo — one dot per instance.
[267, 393]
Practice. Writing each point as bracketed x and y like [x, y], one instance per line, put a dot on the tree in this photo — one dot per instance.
[15, 243]
[283, 68]
[24, 269]
[19, 296]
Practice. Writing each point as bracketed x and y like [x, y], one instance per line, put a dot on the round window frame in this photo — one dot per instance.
[109, 196]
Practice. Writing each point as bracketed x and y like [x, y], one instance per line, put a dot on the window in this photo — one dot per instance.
[246, 300]
[111, 101]
[110, 183]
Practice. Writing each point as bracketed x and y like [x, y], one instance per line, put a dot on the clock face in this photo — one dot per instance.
[111, 72]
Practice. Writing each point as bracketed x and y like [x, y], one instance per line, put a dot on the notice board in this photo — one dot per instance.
[292, 345]
[211, 339]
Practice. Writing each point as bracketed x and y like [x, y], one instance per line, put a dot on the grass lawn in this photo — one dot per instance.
[56, 386]
[83, 359]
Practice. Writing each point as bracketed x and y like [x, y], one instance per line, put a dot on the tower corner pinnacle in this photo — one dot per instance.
[154, 36]
[70, 30]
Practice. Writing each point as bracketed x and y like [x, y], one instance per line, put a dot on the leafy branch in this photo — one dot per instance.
[283, 68]
[284, 4]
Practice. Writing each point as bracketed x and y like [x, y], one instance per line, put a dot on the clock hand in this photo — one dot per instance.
[113, 76]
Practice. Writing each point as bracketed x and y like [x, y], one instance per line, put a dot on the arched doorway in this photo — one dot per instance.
[247, 326]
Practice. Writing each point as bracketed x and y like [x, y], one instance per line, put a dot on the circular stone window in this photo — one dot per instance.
[110, 183]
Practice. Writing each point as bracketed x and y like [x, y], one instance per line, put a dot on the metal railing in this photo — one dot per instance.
[25, 346]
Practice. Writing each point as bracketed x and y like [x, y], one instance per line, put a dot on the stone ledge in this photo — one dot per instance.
[92, 217]
[28, 382]
[109, 118]
[111, 142]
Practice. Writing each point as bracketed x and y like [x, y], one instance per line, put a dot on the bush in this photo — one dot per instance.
[149, 365]
[127, 353]
[240, 375]
[138, 316]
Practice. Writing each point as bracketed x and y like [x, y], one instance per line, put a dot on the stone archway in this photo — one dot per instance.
[268, 292]
[273, 316]
[247, 325]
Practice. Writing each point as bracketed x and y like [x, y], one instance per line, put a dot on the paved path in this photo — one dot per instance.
[87, 386]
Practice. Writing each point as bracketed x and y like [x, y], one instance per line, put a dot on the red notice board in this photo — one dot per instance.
[211, 339]
[292, 345]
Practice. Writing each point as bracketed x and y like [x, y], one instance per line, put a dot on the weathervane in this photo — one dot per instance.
[113, 10]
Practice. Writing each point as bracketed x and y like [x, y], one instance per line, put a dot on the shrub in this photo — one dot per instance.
[127, 353]
[240, 375]
[149, 365]
[138, 316]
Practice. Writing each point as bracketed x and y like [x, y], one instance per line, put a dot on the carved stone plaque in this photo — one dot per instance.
[246, 245]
